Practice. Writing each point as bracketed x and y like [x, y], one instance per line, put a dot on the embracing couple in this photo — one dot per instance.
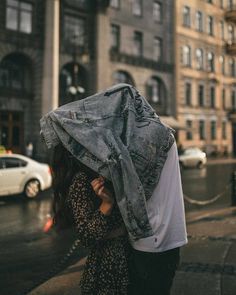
[117, 182]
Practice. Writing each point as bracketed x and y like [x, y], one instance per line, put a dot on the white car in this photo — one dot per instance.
[192, 157]
[20, 174]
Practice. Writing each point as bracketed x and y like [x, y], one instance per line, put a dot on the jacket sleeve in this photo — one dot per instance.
[90, 223]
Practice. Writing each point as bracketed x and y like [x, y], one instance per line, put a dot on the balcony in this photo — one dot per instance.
[14, 93]
[231, 48]
[140, 61]
[230, 14]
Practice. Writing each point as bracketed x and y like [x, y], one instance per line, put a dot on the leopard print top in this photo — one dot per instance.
[106, 269]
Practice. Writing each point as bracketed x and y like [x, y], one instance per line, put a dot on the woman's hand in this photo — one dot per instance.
[104, 194]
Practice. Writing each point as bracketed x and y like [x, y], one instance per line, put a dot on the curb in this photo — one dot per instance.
[210, 215]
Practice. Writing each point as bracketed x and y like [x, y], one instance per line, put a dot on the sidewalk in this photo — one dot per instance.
[208, 264]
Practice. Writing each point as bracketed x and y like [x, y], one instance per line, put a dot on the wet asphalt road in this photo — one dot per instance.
[205, 184]
[27, 253]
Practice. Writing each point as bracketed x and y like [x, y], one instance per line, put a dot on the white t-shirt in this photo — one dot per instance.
[166, 210]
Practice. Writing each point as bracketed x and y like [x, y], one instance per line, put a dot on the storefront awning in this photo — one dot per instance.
[172, 122]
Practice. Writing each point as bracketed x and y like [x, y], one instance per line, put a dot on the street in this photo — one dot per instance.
[27, 253]
[206, 183]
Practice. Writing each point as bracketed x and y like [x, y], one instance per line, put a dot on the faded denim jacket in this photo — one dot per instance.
[117, 134]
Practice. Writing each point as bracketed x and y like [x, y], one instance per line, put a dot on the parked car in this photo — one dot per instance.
[20, 174]
[192, 157]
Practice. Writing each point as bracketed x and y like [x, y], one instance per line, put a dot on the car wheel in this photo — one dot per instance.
[200, 165]
[32, 188]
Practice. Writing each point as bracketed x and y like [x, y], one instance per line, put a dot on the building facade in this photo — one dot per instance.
[206, 74]
[135, 45]
[47, 58]
[56, 51]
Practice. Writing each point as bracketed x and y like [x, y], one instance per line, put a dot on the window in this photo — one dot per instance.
[222, 30]
[186, 56]
[137, 7]
[74, 30]
[233, 99]
[222, 3]
[222, 63]
[232, 67]
[210, 1]
[199, 21]
[138, 43]
[115, 3]
[186, 16]
[202, 130]
[230, 34]
[122, 77]
[189, 134]
[157, 48]
[188, 93]
[199, 59]
[156, 90]
[223, 99]
[16, 74]
[19, 16]
[115, 37]
[212, 96]
[201, 95]
[211, 62]
[213, 130]
[14, 162]
[224, 131]
[157, 11]
[230, 4]
[210, 26]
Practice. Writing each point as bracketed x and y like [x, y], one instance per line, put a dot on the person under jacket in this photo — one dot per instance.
[117, 134]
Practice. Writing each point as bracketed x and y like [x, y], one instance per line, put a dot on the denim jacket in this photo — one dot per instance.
[117, 134]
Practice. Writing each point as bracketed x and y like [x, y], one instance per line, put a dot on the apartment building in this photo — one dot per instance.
[47, 58]
[56, 51]
[135, 45]
[206, 74]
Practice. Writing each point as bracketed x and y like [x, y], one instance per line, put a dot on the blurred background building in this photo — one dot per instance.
[206, 74]
[179, 54]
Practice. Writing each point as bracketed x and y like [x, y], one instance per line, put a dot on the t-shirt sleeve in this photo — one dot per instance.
[90, 223]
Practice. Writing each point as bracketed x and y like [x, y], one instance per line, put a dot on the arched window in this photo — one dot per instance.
[232, 67]
[199, 21]
[186, 16]
[230, 34]
[122, 77]
[222, 62]
[186, 56]
[199, 58]
[211, 61]
[16, 74]
[230, 4]
[156, 93]
[72, 83]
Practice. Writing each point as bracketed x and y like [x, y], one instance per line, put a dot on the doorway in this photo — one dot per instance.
[11, 131]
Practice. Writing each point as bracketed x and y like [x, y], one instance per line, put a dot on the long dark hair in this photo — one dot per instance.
[64, 167]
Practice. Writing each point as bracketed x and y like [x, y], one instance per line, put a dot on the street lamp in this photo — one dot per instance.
[75, 90]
